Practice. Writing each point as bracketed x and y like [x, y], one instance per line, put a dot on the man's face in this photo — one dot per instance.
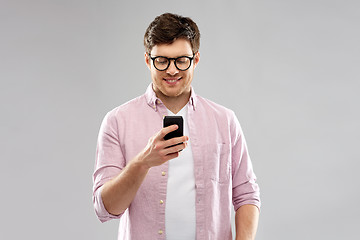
[172, 82]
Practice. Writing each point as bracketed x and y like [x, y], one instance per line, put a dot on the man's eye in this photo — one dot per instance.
[182, 60]
[161, 61]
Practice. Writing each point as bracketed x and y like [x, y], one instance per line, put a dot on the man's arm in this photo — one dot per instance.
[246, 222]
[118, 193]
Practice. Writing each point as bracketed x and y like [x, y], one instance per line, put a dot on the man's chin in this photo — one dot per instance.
[171, 93]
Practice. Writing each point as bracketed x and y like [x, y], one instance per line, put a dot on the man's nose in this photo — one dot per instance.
[172, 70]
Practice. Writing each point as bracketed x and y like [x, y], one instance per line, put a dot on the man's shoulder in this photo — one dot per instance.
[135, 104]
[210, 105]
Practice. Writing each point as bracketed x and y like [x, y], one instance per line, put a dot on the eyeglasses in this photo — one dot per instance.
[182, 63]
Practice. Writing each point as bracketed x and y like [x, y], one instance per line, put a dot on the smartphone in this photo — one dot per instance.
[171, 120]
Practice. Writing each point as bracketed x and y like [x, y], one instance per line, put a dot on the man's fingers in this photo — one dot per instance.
[175, 141]
[167, 130]
[175, 149]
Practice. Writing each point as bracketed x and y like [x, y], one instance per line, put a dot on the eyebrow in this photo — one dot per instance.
[184, 55]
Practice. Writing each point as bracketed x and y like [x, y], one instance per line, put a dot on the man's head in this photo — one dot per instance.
[169, 27]
[172, 53]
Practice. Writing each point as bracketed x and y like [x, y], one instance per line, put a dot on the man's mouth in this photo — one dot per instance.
[172, 80]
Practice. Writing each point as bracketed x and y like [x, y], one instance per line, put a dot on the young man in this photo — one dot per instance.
[184, 187]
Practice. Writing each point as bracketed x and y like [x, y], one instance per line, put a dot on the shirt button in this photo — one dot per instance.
[160, 232]
[161, 201]
[163, 173]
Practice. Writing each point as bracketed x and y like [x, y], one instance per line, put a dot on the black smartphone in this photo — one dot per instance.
[171, 120]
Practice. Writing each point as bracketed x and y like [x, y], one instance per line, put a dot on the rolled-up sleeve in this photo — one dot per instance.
[108, 164]
[245, 189]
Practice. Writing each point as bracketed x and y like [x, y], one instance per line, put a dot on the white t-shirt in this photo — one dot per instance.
[180, 217]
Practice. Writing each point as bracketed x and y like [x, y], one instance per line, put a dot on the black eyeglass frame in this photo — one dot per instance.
[169, 62]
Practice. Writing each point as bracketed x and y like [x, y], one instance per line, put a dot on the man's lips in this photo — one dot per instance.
[172, 79]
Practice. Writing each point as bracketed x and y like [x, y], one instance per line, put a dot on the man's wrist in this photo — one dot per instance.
[140, 164]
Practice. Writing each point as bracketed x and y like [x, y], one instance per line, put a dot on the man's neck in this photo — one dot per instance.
[174, 104]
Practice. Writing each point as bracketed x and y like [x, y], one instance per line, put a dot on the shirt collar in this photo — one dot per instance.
[152, 100]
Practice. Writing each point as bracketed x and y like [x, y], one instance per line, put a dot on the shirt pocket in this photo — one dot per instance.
[217, 162]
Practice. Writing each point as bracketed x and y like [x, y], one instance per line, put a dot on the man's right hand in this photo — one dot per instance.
[158, 151]
[118, 193]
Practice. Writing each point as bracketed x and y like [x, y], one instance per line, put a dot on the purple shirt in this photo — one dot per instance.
[222, 167]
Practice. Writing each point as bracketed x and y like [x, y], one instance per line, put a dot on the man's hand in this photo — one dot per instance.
[158, 151]
[118, 193]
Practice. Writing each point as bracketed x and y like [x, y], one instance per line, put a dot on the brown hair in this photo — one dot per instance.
[168, 27]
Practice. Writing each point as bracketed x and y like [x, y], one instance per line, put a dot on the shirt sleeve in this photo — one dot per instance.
[108, 163]
[245, 189]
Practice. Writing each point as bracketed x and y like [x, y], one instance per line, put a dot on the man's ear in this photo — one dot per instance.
[196, 58]
[147, 60]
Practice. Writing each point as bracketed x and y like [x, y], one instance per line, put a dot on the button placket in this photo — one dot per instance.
[160, 202]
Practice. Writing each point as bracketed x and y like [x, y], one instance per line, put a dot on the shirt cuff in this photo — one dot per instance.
[100, 210]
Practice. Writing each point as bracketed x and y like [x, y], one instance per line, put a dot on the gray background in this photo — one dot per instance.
[289, 69]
